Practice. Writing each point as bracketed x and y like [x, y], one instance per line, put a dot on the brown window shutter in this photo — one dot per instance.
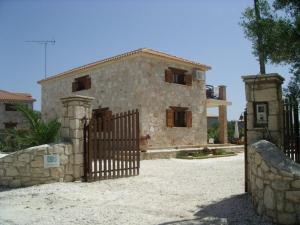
[170, 118]
[74, 86]
[88, 83]
[168, 76]
[188, 79]
[188, 118]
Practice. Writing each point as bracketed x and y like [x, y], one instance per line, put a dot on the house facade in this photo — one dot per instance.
[9, 116]
[168, 91]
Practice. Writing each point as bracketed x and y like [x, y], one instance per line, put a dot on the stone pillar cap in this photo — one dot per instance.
[263, 78]
[77, 98]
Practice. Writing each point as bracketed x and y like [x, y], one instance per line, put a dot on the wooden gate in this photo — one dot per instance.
[111, 145]
[291, 138]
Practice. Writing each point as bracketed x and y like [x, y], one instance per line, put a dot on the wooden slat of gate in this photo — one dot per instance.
[108, 149]
[133, 141]
[113, 121]
[90, 155]
[122, 143]
[95, 149]
[118, 143]
[137, 138]
[105, 148]
[126, 143]
[130, 143]
[100, 127]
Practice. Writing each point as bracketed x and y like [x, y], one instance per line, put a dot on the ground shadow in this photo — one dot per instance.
[235, 210]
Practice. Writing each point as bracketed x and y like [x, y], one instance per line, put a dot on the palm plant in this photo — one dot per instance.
[39, 132]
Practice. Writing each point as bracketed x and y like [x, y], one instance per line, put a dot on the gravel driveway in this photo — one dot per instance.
[174, 191]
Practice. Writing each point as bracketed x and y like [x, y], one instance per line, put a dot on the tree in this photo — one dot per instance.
[279, 28]
[257, 23]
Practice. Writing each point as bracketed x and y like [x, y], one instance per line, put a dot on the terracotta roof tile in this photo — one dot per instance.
[10, 96]
[124, 55]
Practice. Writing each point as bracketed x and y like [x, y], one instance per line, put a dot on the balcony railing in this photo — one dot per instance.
[212, 92]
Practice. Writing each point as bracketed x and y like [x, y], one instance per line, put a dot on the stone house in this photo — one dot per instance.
[9, 117]
[168, 91]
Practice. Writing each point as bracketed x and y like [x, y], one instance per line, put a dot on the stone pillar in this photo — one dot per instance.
[223, 134]
[75, 108]
[264, 89]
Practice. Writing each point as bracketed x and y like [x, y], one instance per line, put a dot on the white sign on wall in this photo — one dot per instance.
[51, 161]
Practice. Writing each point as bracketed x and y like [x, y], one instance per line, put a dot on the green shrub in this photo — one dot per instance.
[39, 132]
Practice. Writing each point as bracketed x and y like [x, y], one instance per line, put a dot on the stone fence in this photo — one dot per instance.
[274, 183]
[36, 166]
[27, 167]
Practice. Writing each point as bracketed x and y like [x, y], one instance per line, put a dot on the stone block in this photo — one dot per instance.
[1, 172]
[293, 196]
[38, 172]
[289, 207]
[286, 218]
[269, 198]
[296, 184]
[38, 162]
[19, 164]
[68, 149]
[280, 185]
[74, 124]
[24, 157]
[78, 159]
[64, 159]
[11, 172]
[7, 159]
[264, 167]
[69, 169]
[259, 183]
[68, 178]
[65, 132]
[56, 172]
[15, 183]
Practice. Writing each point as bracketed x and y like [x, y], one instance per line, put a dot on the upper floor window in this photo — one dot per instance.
[81, 83]
[178, 76]
[10, 125]
[10, 107]
[179, 117]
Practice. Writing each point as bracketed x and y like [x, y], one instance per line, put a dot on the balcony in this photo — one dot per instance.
[216, 96]
[212, 92]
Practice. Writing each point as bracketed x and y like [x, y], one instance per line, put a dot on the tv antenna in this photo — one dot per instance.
[45, 43]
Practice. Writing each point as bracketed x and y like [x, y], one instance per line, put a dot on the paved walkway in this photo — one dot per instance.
[174, 191]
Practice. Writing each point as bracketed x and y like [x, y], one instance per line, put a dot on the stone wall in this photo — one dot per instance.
[26, 167]
[138, 83]
[13, 116]
[274, 183]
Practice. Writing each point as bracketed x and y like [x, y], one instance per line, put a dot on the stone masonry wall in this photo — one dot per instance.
[26, 167]
[138, 83]
[274, 183]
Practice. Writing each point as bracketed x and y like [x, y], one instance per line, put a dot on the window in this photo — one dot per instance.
[81, 83]
[179, 117]
[178, 76]
[10, 107]
[10, 125]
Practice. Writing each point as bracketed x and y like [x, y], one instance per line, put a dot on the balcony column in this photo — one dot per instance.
[223, 136]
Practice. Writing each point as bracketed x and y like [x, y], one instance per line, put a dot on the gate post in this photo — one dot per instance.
[75, 109]
[264, 109]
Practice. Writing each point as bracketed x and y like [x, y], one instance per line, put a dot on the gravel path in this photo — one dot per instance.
[171, 191]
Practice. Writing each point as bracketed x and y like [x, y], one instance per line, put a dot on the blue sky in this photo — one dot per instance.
[207, 31]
